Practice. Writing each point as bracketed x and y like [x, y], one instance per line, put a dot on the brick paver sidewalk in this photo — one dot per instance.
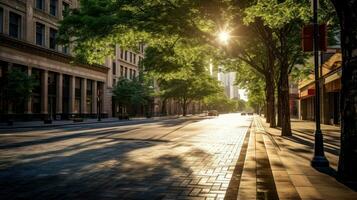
[289, 159]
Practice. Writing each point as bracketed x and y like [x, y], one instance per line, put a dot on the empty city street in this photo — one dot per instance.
[192, 157]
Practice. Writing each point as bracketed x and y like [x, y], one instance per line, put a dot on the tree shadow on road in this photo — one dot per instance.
[103, 168]
[90, 132]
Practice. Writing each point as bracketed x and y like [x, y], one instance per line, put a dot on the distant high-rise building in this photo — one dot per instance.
[228, 81]
[125, 64]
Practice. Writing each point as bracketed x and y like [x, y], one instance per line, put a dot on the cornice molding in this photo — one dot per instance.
[26, 47]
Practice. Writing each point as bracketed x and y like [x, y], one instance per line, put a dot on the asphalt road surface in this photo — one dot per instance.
[191, 158]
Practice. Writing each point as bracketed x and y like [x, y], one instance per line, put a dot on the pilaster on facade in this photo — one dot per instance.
[110, 74]
[29, 20]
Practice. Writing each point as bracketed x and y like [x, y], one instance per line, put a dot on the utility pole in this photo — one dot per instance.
[319, 159]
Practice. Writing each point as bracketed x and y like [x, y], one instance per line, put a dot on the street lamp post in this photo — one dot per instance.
[319, 159]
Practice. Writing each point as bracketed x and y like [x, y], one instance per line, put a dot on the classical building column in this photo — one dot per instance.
[72, 90]
[29, 100]
[59, 9]
[44, 92]
[59, 94]
[84, 96]
[94, 97]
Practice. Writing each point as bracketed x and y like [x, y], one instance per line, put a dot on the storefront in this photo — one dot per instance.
[330, 93]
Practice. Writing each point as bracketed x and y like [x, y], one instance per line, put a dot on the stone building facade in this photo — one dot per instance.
[28, 31]
[124, 64]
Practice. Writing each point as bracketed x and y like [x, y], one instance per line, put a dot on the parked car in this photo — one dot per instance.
[243, 113]
[250, 113]
[213, 113]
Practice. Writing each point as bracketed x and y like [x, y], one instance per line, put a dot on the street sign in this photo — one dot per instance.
[308, 38]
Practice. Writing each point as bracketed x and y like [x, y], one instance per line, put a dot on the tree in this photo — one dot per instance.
[256, 96]
[241, 105]
[221, 103]
[284, 18]
[253, 83]
[131, 93]
[347, 15]
[17, 87]
[100, 23]
[187, 90]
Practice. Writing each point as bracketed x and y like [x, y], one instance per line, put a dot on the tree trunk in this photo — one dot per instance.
[347, 13]
[270, 99]
[279, 104]
[270, 83]
[284, 101]
[163, 107]
[184, 108]
[267, 115]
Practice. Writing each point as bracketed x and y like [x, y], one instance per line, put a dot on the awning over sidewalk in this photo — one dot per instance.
[333, 86]
[307, 93]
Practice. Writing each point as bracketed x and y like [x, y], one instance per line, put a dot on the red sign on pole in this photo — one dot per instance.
[308, 38]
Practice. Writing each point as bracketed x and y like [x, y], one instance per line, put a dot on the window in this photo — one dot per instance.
[53, 7]
[114, 82]
[15, 25]
[40, 34]
[65, 8]
[121, 53]
[114, 68]
[134, 58]
[40, 4]
[126, 55]
[134, 73]
[131, 74]
[126, 72]
[121, 70]
[131, 57]
[53, 35]
[1, 20]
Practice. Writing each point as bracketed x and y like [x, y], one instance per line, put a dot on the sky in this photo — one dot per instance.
[243, 94]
